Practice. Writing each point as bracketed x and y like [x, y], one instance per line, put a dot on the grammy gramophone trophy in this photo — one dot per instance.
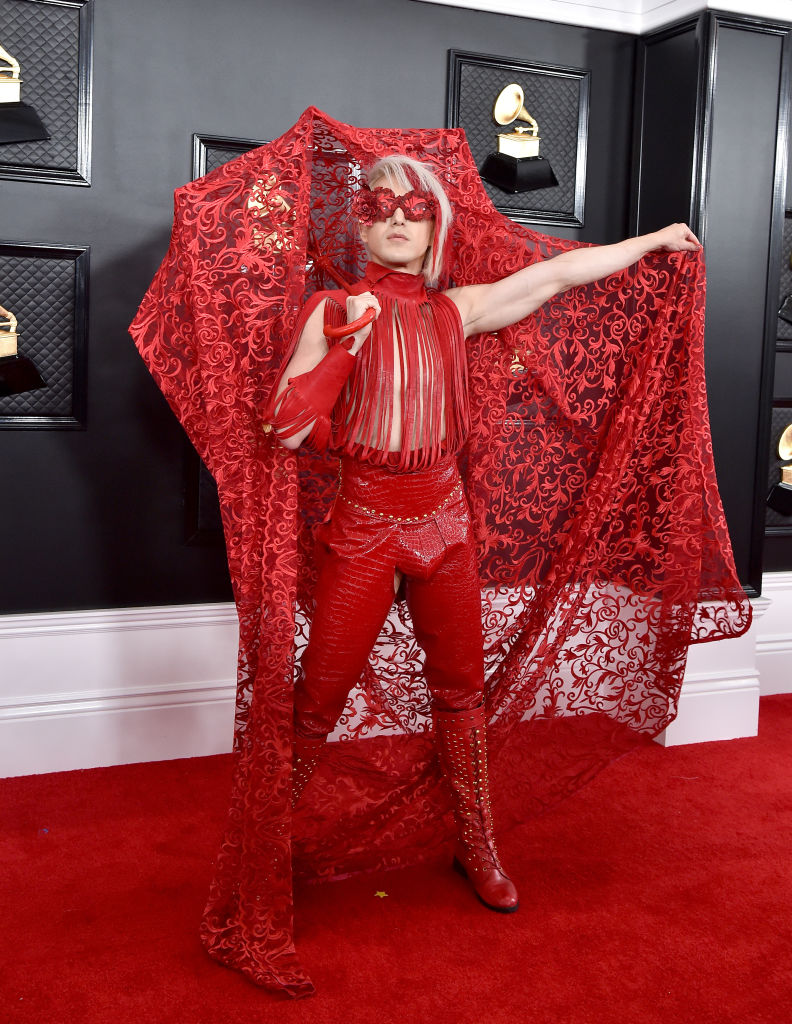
[517, 166]
[17, 373]
[19, 122]
[780, 497]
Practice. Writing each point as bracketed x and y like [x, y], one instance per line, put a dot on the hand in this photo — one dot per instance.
[677, 238]
[356, 306]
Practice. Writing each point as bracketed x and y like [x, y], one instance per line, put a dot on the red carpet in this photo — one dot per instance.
[660, 893]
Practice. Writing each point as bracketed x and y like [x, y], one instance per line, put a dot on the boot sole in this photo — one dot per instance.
[460, 870]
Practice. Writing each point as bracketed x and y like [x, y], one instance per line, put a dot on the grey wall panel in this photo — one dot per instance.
[95, 518]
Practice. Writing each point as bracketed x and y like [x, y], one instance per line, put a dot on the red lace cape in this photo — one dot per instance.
[603, 547]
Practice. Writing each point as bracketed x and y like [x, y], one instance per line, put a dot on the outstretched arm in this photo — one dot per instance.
[488, 307]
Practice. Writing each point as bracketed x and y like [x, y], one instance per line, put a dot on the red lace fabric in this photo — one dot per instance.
[588, 467]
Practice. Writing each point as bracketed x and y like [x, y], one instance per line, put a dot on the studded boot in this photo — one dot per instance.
[306, 753]
[462, 742]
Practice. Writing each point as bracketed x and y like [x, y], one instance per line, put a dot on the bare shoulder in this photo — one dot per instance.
[457, 295]
[463, 298]
[469, 299]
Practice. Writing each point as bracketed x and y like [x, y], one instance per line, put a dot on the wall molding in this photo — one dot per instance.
[722, 704]
[774, 639]
[102, 687]
[113, 620]
[135, 698]
[93, 688]
[631, 16]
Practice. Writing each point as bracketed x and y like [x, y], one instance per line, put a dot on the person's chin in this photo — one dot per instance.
[400, 255]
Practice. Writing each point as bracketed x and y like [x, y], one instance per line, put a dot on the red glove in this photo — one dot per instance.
[310, 397]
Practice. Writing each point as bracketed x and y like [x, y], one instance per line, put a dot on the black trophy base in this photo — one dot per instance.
[20, 123]
[780, 499]
[518, 174]
[18, 374]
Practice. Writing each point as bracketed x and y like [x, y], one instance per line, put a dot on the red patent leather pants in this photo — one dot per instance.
[415, 524]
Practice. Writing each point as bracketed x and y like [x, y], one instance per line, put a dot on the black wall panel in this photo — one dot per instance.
[739, 228]
[95, 518]
[667, 89]
[711, 120]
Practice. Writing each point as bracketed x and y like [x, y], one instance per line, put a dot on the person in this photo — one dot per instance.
[389, 397]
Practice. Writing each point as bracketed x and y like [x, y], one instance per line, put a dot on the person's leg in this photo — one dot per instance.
[446, 613]
[353, 598]
[462, 745]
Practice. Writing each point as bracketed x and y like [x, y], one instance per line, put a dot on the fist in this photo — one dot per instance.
[356, 306]
[678, 238]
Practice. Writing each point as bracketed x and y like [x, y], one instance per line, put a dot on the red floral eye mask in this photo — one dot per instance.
[369, 205]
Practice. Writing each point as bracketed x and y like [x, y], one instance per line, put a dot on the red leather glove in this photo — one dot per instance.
[310, 397]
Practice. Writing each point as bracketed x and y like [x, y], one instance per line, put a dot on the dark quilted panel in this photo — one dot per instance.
[41, 294]
[217, 156]
[44, 38]
[554, 100]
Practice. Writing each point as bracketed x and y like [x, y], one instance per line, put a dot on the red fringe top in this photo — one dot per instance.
[413, 367]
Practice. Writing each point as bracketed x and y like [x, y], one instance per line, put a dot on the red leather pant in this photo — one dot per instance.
[416, 524]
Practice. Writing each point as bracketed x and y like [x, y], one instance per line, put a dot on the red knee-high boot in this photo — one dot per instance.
[462, 741]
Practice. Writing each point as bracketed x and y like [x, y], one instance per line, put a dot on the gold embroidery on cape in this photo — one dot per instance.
[274, 227]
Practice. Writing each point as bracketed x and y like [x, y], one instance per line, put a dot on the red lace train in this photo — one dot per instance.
[603, 548]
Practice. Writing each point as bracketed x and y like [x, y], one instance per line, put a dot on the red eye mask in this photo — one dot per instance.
[369, 205]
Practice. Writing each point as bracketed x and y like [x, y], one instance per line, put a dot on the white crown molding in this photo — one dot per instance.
[632, 16]
[132, 698]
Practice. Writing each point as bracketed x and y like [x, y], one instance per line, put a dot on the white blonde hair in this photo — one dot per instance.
[408, 173]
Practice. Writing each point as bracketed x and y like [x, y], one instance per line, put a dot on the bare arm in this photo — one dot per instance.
[488, 307]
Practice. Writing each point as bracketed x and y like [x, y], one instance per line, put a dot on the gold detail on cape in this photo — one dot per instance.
[275, 217]
[517, 364]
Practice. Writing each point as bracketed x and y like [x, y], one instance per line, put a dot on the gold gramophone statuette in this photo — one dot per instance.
[517, 166]
[10, 82]
[19, 122]
[510, 107]
[785, 444]
[17, 373]
[8, 333]
[780, 497]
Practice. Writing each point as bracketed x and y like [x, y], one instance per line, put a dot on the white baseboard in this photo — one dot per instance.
[87, 689]
[720, 692]
[717, 707]
[774, 636]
